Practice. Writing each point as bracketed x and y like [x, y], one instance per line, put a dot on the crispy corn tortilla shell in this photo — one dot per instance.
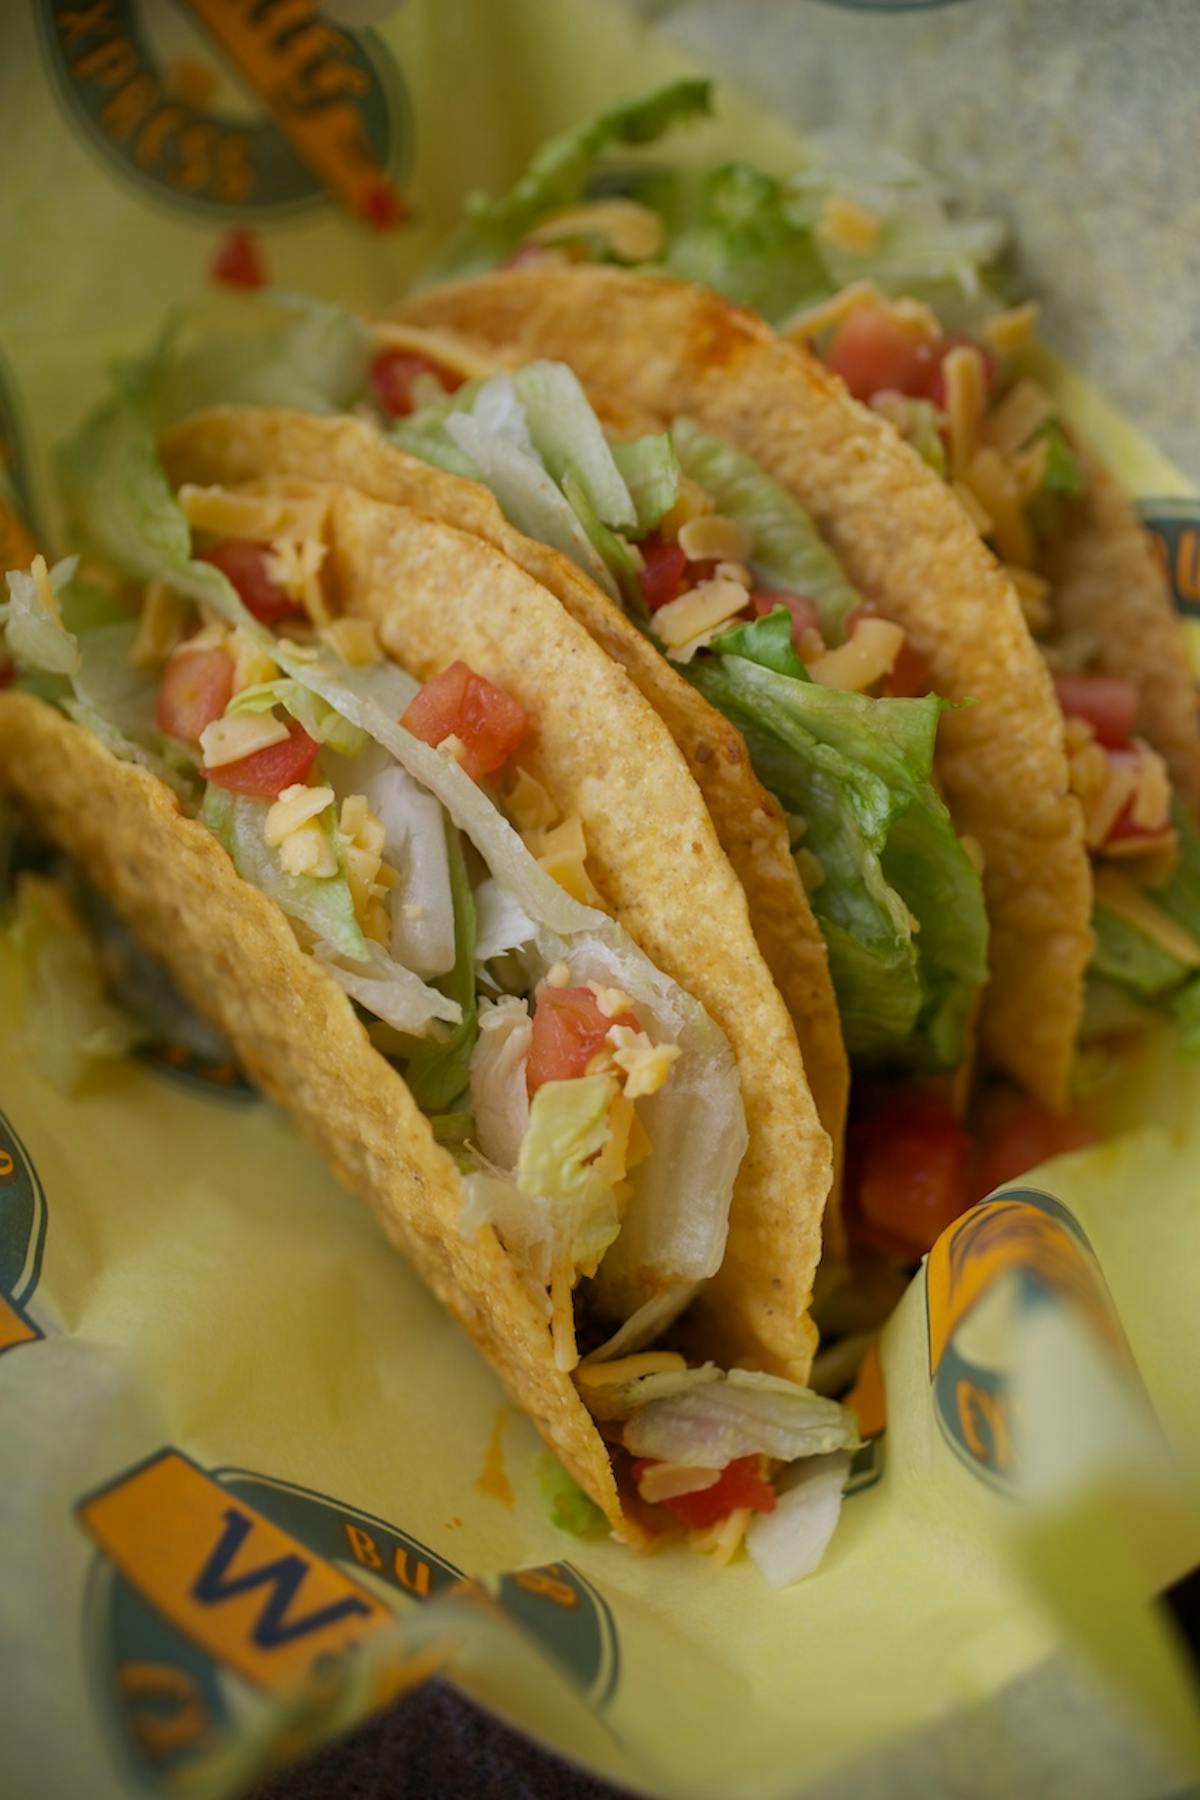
[1107, 582]
[905, 543]
[232, 445]
[234, 957]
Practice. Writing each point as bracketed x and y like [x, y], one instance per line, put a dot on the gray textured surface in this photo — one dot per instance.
[1076, 120]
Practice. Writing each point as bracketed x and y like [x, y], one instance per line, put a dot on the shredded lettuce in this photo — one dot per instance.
[390, 991]
[900, 905]
[650, 470]
[71, 1023]
[734, 228]
[322, 903]
[559, 173]
[568, 436]
[568, 1126]
[34, 634]
[1125, 955]
[321, 721]
[566, 1503]
[787, 552]
[285, 350]
[438, 1074]
[1063, 480]
[499, 1095]
[789, 1542]
[530, 499]
[706, 1418]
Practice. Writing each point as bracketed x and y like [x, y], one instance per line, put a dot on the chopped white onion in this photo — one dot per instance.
[390, 991]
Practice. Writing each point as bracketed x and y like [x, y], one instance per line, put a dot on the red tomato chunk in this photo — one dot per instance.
[195, 689]
[393, 373]
[739, 1485]
[910, 1173]
[662, 576]
[243, 562]
[1016, 1136]
[266, 773]
[1108, 703]
[805, 616]
[568, 1030]
[458, 703]
[238, 261]
[872, 349]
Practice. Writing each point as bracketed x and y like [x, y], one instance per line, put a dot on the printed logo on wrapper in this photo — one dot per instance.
[234, 112]
[1004, 1257]
[214, 1591]
[1174, 527]
[22, 1239]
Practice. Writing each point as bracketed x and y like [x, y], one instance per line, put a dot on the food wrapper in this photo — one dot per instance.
[253, 1481]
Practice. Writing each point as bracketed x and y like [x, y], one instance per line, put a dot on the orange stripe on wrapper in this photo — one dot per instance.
[14, 1329]
[251, 1595]
[293, 59]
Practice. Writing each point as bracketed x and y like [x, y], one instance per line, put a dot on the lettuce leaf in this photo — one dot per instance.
[857, 771]
[567, 435]
[733, 228]
[568, 1126]
[319, 719]
[70, 1022]
[650, 470]
[438, 1075]
[566, 1504]
[34, 635]
[285, 350]
[787, 550]
[559, 172]
[1125, 955]
[323, 904]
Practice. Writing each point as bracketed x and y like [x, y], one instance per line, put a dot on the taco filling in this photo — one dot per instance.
[854, 256]
[727, 575]
[591, 1106]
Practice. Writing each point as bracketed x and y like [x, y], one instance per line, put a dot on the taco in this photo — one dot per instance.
[853, 255]
[320, 850]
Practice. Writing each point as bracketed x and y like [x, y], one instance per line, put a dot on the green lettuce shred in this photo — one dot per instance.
[566, 1503]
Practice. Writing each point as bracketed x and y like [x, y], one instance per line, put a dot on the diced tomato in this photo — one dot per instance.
[1015, 1135]
[957, 340]
[872, 349]
[805, 616]
[243, 562]
[459, 703]
[238, 261]
[195, 689]
[739, 1484]
[1108, 703]
[568, 1030]
[662, 576]
[267, 772]
[382, 207]
[908, 1173]
[909, 675]
[393, 373]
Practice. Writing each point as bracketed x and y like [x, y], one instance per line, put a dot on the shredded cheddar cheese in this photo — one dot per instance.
[160, 626]
[644, 1065]
[1033, 591]
[440, 347]
[979, 517]
[528, 804]
[966, 399]
[847, 224]
[691, 502]
[711, 537]
[308, 851]
[681, 623]
[562, 1315]
[295, 806]
[815, 320]
[629, 1368]
[229, 740]
[866, 657]
[1132, 903]
[722, 1541]
[1013, 420]
[1013, 330]
[295, 564]
[634, 232]
[994, 485]
[252, 664]
[562, 852]
[610, 1000]
[369, 879]
[354, 640]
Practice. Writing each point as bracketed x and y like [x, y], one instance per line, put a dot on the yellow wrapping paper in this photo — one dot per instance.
[253, 1482]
